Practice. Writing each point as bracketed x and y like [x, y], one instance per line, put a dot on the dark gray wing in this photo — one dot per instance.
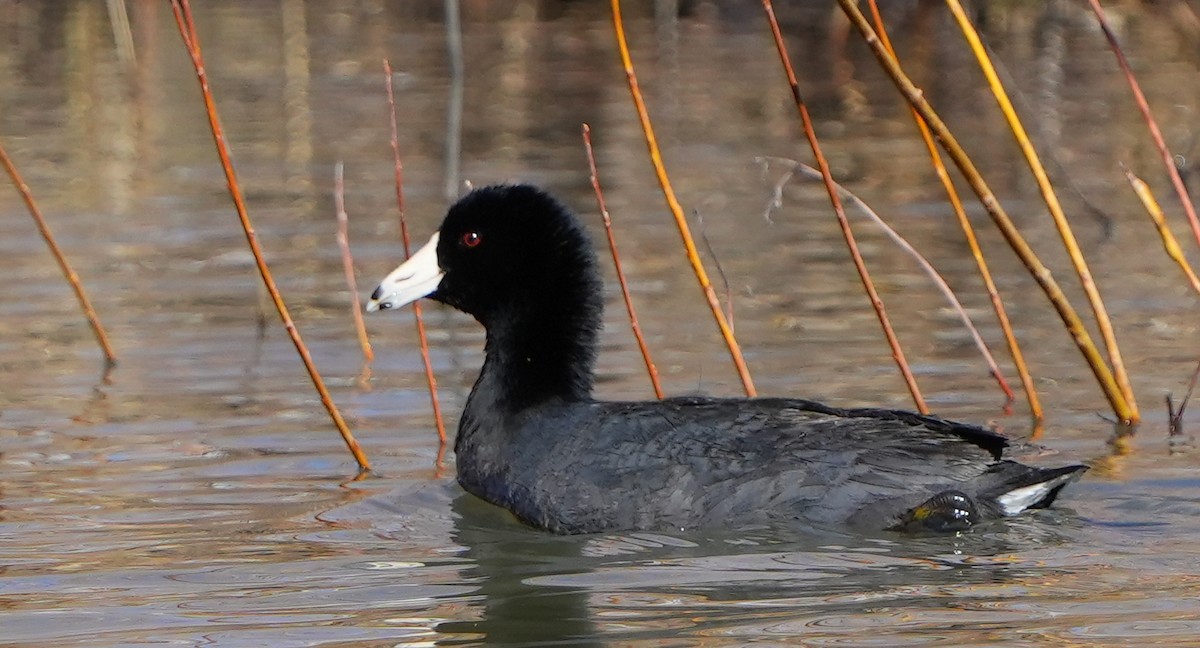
[705, 462]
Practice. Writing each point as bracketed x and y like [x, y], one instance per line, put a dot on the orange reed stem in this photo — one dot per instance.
[735, 351]
[876, 302]
[612, 246]
[191, 40]
[110, 357]
[1151, 124]
[430, 378]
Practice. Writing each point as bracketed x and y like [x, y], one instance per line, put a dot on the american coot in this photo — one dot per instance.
[534, 441]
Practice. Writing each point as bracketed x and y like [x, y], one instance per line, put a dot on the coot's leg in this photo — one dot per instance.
[947, 512]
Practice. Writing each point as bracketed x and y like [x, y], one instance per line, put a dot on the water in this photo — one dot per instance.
[199, 495]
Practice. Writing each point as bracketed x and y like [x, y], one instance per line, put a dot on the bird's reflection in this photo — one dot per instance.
[506, 555]
[541, 589]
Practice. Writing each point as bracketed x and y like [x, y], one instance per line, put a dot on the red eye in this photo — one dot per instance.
[471, 239]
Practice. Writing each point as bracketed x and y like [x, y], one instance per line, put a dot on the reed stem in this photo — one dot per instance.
[1103, 322]
[844, 223]
[735, 351]
[612, 246]
[964, 223]
[110, 356]
[987, 198]
[191, 41]
[430, 377]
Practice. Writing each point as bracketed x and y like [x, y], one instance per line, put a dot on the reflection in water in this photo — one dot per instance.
[539, 589]
[505, 556]
[297, 109]
[454, 106]
[199, 497]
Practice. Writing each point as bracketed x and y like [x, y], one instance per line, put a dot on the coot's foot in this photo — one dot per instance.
[947, 512]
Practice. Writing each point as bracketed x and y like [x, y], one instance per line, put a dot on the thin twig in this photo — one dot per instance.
[987, 198]
[689, 244]
[844, 223]
[712, 254]
[110, 357]
[1151, 125]
[1168, 239]
[343, 239]
[191, 40]
[612, 246]
[1010, 338]
[430, 378]
[1103, 323]
[932, 272]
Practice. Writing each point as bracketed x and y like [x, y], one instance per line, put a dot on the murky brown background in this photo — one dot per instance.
[199, 496]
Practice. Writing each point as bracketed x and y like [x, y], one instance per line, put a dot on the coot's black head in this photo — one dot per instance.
[501, 251]
[520, 262]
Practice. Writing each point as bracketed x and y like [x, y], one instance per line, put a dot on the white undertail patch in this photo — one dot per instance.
[1019, 499]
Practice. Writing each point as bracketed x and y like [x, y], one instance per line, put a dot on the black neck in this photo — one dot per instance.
[542, 354]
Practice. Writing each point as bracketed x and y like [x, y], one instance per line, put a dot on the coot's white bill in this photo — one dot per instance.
[414, 279]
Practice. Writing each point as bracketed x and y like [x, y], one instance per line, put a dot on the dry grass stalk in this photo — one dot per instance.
[712, 254]
[1103, 323]
[689, 244]
[843, 222]
[987, 198]
[430, 378]
[932, 272]
[191, 41]
[1168, 239]
[110, 357]
[612, 246]
[1152, 125]
[343, 240]
[1010, 338]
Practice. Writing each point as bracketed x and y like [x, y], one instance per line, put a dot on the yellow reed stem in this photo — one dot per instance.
[1103, 323]
[735, 351]
[987, 198]
[1170, 244]
[1010, 338]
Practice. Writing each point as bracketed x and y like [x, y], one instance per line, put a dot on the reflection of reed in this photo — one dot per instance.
[98, 110]
[454, 107]
[147, 98]
[122, 34]
[298, 151]
[1050, 70]
[81, 111]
